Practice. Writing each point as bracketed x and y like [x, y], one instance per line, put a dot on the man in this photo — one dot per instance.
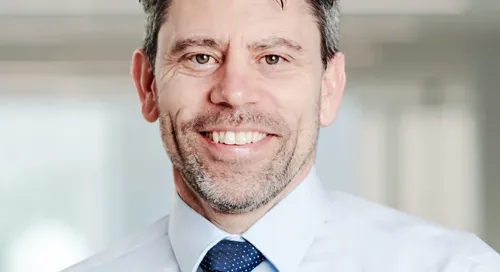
[240, 89]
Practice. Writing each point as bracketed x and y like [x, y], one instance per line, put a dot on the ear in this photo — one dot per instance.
[332, 89]
[145, 83]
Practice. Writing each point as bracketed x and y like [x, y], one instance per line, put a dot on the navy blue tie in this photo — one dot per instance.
[232, 256]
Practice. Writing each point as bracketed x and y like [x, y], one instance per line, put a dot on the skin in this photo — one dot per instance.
[239, 66]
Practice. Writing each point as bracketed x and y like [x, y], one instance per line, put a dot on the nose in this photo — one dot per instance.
[235, 87]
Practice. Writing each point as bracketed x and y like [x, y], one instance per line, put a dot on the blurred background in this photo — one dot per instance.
[79, 168]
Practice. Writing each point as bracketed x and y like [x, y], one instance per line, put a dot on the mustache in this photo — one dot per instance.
[237, 117]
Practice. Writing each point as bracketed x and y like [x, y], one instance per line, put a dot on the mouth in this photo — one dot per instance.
[235, 137]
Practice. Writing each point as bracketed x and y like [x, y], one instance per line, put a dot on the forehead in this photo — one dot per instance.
[244, 20]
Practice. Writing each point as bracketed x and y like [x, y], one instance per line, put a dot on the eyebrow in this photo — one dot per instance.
[183, 44]
[272, 42]
[262, 45]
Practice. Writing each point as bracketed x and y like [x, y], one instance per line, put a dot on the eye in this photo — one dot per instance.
[201, 58]
[273, 59]
[199, 64]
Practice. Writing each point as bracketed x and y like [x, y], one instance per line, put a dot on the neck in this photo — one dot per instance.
[231, 223]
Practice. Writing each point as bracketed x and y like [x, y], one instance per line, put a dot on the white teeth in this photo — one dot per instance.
[249, 137]
[238, 138]
[215, 137]
[256, 137]
[229, 138]
[241, 138]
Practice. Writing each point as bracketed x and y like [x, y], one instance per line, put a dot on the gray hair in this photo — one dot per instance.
[327, 13]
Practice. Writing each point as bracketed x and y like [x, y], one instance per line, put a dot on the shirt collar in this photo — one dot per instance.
[283, 235]
[191, 235]
[287, 231]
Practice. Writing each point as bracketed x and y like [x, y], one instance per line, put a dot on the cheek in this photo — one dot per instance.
[296, 99]
[183, 96]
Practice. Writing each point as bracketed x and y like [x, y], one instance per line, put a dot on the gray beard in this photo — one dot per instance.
[225, 191]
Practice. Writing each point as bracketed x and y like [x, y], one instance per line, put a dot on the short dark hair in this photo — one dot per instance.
[327, 13]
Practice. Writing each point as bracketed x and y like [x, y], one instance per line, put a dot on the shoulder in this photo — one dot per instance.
[149, 247]
[378, 232]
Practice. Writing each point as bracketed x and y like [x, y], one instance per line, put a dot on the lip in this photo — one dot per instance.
[239, 129]
[225, 152]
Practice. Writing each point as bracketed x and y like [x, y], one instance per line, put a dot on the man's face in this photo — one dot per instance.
[239, 88]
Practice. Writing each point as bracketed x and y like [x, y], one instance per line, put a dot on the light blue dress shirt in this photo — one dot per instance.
[309, 230]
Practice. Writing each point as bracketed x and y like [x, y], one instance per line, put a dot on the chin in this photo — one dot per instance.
[236, 192]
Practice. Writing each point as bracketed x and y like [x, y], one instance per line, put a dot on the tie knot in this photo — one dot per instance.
[232, 256]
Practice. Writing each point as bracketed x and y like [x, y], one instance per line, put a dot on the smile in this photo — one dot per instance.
[235, 138]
